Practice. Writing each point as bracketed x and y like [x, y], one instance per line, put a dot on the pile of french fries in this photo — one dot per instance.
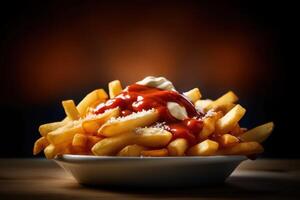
[108, 134]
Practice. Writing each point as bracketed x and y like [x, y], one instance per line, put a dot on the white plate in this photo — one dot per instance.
[149, 171]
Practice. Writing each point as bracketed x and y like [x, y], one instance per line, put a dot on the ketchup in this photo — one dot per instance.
[137, 97]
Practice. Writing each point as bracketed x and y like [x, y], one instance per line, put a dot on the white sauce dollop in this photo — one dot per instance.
[157, 82]
[177, 111]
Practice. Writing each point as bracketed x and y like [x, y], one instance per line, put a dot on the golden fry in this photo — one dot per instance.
[259, 133]
[228, 98]
[205, 148]
[50, 151]
[228, 140]
[71, 110]
[132, 150]
[209, 125]
[128, 123]
[149, 137]
[112, 145]
[237, 131]
[193, 95]
[152, 137]
[64, 134]
[93, 97]
[203, 104]
[230, 120]
[115, 88]
[46, 128]
[92, 125]
[92, 140]
[79, 140]
[39, 145]
[244, 148]
[155, 153]
[98, 96]
[178, 147]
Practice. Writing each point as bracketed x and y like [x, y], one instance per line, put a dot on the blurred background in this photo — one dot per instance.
[51, 51]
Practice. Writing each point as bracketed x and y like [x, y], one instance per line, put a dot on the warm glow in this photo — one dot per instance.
[91, 50]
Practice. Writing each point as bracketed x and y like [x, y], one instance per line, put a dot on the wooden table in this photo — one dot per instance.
[43, 179]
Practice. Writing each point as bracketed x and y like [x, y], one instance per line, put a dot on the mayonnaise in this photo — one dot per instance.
[157, 82]
[177, 111]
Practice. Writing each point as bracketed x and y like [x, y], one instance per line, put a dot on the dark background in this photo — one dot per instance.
[55, 50]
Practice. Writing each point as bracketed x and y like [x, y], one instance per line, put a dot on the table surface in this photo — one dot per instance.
[43, 179]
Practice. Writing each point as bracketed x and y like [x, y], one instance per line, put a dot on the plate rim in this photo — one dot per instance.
[71, 158]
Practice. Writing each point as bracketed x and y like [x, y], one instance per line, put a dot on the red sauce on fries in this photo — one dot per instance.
[136, 98]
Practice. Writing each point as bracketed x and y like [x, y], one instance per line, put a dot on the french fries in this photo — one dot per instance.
[120, 125]
[155, 153]
[226, 99]
[71, 110]
[51, 151]
[237, 131]
[123, 131]
[203, 104]
[39, 145]
[205, 148]
[178, 147]
[193, 95]
[230, 120]
[64, 134]
[152, 137]
[92, 140]
[209, 125]
[258, 134]
[46, 128]
[79, 140]
[114, 88]
[132, 150]
[112, 145]
[228, 140]
[96, 96]
[148, 137]
[92, 125]
[244, 148]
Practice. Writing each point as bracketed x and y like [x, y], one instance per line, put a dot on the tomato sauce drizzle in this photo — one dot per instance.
[136, 98]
